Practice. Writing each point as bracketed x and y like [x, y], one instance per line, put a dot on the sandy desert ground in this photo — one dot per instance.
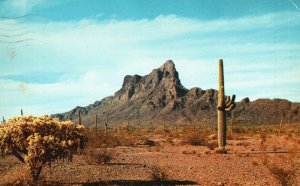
[159, 158]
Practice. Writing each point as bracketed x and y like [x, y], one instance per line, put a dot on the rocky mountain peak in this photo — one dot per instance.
[163, 81]
[168, 66]
[168, 69]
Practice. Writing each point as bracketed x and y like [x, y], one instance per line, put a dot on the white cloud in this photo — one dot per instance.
[95, 56]
[55, 97]
[15, 8]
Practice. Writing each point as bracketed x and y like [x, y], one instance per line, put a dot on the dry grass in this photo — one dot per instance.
[98, 156]
[237, 136]
[16, 177]
[20, 176]
[195, 140]
[115, 138]
[263, 137]
[288, 173]
[284, 176]
[158, 174]
[198, 138]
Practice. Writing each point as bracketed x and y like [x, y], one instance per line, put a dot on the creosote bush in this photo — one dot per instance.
[98, 156]
[38, 141]
[195, 139]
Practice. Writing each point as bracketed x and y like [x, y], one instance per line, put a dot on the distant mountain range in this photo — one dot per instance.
[160, 97]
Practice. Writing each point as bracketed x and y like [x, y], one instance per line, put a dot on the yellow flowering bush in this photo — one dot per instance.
[37, 141]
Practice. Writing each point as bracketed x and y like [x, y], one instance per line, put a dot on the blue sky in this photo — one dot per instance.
[56, 55]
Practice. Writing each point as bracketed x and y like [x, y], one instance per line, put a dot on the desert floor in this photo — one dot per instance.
[251, 159]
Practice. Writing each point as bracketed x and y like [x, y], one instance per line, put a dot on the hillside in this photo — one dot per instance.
[159, 96]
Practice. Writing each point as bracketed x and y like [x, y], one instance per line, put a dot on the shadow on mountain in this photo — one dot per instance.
[141, 182]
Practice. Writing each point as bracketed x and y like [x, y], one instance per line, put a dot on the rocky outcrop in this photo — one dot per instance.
[262, 111]
[148, 100]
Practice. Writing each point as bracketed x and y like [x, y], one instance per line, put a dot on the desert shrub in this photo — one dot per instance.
[263, 137]
[101, 141]
[188, 152]
[196, 139]
[281, 174]
[149, 142]
[212, 145]
[287, 174]
[158, 174]
[123, 128]
[126, 140]
[37, 141]
[98, 156]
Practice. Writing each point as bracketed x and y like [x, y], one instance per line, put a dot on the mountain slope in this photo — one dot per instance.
[160, 96]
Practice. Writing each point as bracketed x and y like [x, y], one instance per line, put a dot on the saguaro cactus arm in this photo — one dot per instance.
[230, 108]
[230, 100]
[230, 105]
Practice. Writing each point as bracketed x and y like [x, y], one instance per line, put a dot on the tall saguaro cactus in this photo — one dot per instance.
[79, 117]
[225, 104]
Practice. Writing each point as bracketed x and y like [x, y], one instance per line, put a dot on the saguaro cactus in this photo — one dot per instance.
[96, 128]
[79, 117]
[128, 124]
[281, 121]
[105, 123]
[81, 139]
[21, 112]
[164, 126]
[225, 104]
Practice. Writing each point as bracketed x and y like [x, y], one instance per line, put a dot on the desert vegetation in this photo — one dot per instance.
[171, 156]
[39, 141]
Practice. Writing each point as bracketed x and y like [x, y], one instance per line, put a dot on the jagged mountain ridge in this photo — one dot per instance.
[158, 96]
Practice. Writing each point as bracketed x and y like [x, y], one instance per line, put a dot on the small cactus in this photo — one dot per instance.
[225, 104]
[164, 126]
[128, 124]
[281, 121]
[96, 128]
[105, 123]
